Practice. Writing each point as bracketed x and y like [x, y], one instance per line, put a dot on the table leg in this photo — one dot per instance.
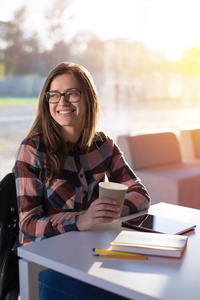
[28, 279]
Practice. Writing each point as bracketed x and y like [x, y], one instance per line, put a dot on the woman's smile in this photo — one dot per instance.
[66, 112]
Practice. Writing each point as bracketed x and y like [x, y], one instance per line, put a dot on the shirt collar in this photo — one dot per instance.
[72, 146]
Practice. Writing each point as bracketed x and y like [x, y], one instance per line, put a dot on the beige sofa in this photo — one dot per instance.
[156, 159]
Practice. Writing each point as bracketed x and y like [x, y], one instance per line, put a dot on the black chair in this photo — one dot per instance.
[9, 228]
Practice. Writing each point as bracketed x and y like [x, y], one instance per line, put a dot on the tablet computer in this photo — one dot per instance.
[152, 223]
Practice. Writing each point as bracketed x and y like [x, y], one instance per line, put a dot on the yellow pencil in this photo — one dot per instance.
[121, 256]
[119, 253]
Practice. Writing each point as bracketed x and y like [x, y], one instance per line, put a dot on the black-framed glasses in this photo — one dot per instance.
[70, 96]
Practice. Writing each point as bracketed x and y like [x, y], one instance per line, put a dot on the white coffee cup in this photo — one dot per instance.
[116, 191]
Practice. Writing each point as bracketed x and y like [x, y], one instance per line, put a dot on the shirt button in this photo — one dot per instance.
[81, 175]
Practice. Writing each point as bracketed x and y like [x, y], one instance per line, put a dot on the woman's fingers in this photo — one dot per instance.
[60, 217]
[71, 214]
[102, 210]
[105, 207]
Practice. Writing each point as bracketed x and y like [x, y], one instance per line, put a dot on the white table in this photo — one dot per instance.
[155, 278]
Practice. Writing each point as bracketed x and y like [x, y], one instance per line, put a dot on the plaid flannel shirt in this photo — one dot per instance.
[74, 190]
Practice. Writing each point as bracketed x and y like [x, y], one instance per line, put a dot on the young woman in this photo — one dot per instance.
[63, 158]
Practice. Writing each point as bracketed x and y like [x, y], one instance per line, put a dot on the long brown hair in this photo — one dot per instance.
[55, 147]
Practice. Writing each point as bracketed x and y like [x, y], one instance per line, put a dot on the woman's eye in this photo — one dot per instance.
[53, 95]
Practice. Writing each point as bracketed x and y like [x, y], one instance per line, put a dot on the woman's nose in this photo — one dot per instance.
[63, 101]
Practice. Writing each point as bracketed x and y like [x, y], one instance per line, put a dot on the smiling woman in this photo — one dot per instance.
[60, 164]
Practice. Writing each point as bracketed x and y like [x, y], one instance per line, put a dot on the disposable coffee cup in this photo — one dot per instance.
[116, 191]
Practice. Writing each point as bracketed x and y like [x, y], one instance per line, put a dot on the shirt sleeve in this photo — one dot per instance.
[137, 198]
[34, 224]
[70, 225]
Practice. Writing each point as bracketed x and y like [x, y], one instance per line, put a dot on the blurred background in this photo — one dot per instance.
[144, 56]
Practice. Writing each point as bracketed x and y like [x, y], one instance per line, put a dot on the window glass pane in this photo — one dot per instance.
[144, 56]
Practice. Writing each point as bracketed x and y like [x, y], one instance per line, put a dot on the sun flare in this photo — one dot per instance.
[167, 25]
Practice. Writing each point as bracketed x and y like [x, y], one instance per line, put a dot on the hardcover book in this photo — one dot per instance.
[150, 243]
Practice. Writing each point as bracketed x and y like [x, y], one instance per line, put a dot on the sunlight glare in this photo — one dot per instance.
[173, 54]
[167, 25]
[170, 26]
[109, 19]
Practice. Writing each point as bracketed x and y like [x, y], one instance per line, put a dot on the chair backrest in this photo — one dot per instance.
[150, 150]
[9, 273]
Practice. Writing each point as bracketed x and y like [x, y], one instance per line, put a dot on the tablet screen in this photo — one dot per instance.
[158, 224]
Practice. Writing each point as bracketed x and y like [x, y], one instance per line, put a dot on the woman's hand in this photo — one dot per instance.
[102, 210]
[59, 218]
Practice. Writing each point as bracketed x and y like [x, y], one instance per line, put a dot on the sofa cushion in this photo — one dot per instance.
[150, 150]
[174, 183]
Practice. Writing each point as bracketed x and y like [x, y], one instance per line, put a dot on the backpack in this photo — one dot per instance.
[9, 228]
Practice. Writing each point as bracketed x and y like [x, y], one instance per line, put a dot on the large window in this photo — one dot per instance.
[144, 56]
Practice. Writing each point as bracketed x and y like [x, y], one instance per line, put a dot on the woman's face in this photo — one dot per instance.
[70, 116]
